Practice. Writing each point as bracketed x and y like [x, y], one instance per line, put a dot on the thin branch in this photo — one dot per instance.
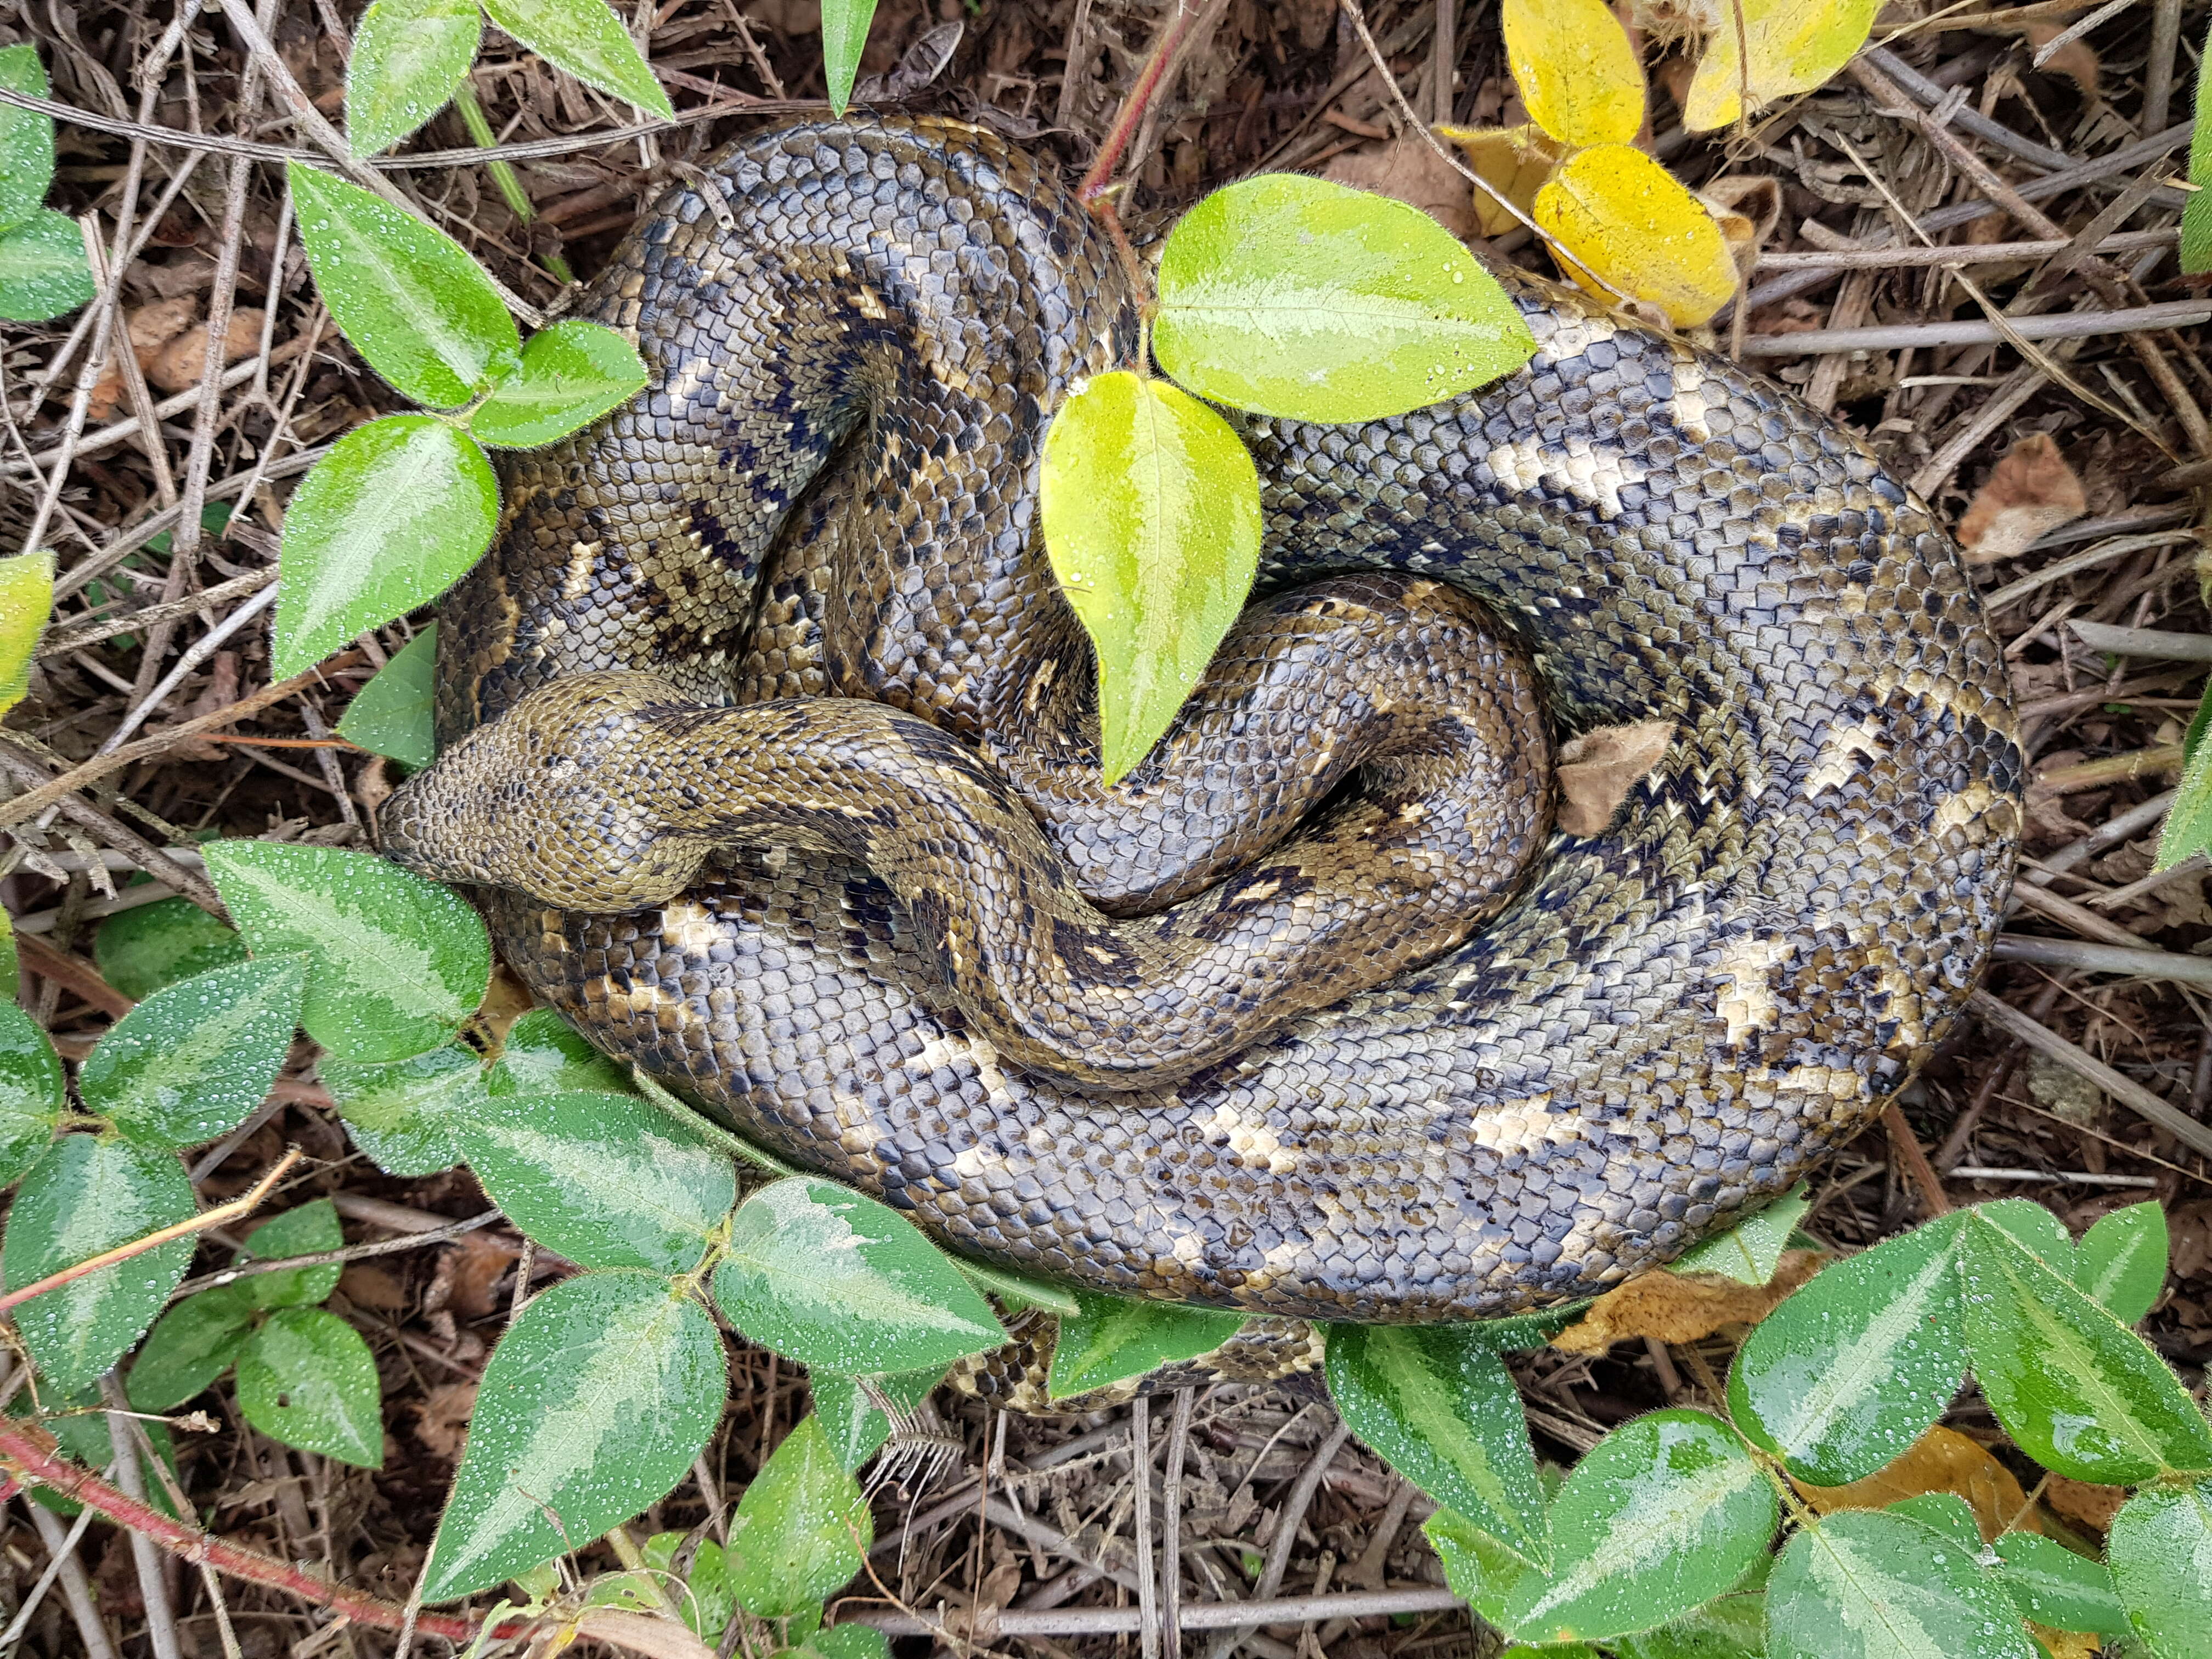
[1214, 1615]
[1994, 1010]
[2064, 325]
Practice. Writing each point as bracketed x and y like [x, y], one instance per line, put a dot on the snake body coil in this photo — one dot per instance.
[806, 557]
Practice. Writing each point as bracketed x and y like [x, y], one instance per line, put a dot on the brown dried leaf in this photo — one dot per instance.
[178, 365]
[1942, 1460]
[2067, 1643]
[468, 1270]
[2077, 59]
[150, 328]
[1515, 161]
[2090, 1506]
[1407, 169]
[642, 1632]
[2031, 493]
[366, 1286]
[2188, 1230]
[1746, 207]
[1597, 769]
[1676, 1307]
[442, 1417]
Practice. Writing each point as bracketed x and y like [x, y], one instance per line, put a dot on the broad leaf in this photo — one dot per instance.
[310, 1229]
[2035, 1230]
[584, 38]
[2122, 1260]
[2053, 1586]
[1481, 1570]
[1793, 47]
[545, 1055]
[43, 271]
[1734, 1627]
[396, 962]
[704, 1597]
[190, 1345]
[856, 1427]
[1018, 1291]
[1295, 297]
[1151, 506]
[2195, 256]
[1846, 1374]
[800, 1528]
[27, 595]
[87, 1195]
[2080, 1392]
[1632, 223]
[844, 37]
[141, 950]
[1436, 1402]
[572, 373]
[306, 1379]
[1948, 1513]
[594, 1405]
[392, 714]
[608, 1181]
[407, 295]
[408, 56]
[1868, 1584]
[2160, 1548]
[390, 519]
[1577, 71]
[191, 1062]
[1118, 1337]
[847, 1642]
[32, 1101]
[1660, 1517]
[841, 1283]
[1750, 1251]
[403, 1115]
[26, 138]
[2188, 827]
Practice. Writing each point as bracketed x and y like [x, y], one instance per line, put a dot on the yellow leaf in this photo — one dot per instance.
[27, 594]
[1634, 224]
[1514, 160]
[1575, 69]
[1795, 44]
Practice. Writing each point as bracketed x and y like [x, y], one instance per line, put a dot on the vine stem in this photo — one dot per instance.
[1140, 100]
[242, 1204]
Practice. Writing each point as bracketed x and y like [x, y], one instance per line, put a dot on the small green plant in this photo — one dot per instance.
[43, 272]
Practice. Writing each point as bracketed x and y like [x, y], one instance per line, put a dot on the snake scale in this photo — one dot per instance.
[768, 739]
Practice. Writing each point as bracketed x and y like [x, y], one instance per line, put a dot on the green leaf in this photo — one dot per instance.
[2053, 1586]
[2035, 1230]
[78, 1421]
[572, 373]
[594, 1405]
[1660, 1517]
[856, 1428]
[1437, 1403]
[417, 309]
[42, 269]
[396, 962]
[702, 1595]
[1750, 1251]
[849, 1642]
[1849, 1371]
[190, 1345]
[1118, 1337]
[608, 1181]
[27, 597]
[2195, 256]
[390, 519]
[311, 1230]
[408, 56]
[88, 1195]
[404, 1114]
[841, 1283]
[2160, 1548]
[2188, 826]
[308, 1379]
[1947, 1512]
[190, 1062]
[1868, 1584]
[390, 715]
[26, 138]
[32, 1100]
[584, 38]
[1018, 1291]
[545, 1055]
[2122, 1260]
[1296, 297]
[2080, 1392]
[1151, 506]
[844, 37]
[800, 1530]
[1734, 1627]
[139, 951]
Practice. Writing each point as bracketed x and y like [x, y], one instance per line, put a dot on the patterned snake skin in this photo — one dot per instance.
[808, 553]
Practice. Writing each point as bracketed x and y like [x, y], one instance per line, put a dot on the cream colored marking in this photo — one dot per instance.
[869, 304]
[1190, 1249]
[1040, 682]
[973, 1162]
[1746, 965]
[1254, 1145]
[689, 925]
[1262, 892]
[976, 1052]
[1689, 406]
[1906, 1007]
[582, 556]
[1958, 810]
[1590, 475]
[1833, 769]
[1524, 1125]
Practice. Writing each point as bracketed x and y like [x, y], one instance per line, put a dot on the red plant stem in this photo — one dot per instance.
[1139, 101]
[28, 1454]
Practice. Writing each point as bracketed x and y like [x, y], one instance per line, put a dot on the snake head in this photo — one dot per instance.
[550, 801]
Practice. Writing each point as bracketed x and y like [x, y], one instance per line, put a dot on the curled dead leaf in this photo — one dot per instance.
[442, 1417]
[1513, 161]
[1678, 1308]
[2077, 60]
[1409, 170]
[1597, 769]
[2084, 1503]
[1942, 1460]
[178, 366]
[642, 1632]
[1747, 207]
[2030, 493]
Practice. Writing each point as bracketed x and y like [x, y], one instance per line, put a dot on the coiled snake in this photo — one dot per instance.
[782, 772]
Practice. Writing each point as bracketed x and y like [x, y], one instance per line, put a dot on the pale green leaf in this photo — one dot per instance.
[2161, 1550]
[2188, 826]
[189, 1063]
[2053, 1586]
[584, 38]
[140, 951]
[408, 56]
[390, 519]
[854, 1423]
[392, 714]
[403, 1114]
[43, 271]
[26, 138]
[1151, 506]
[844, 37]
[545, 1055]
[1750, 1251]
[1118, 1337]
[32, 1100]
[572, 373]
[800, 1528]
[1868, 1584]
[306, 1377]
[2122, 1260]
[27, 595]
